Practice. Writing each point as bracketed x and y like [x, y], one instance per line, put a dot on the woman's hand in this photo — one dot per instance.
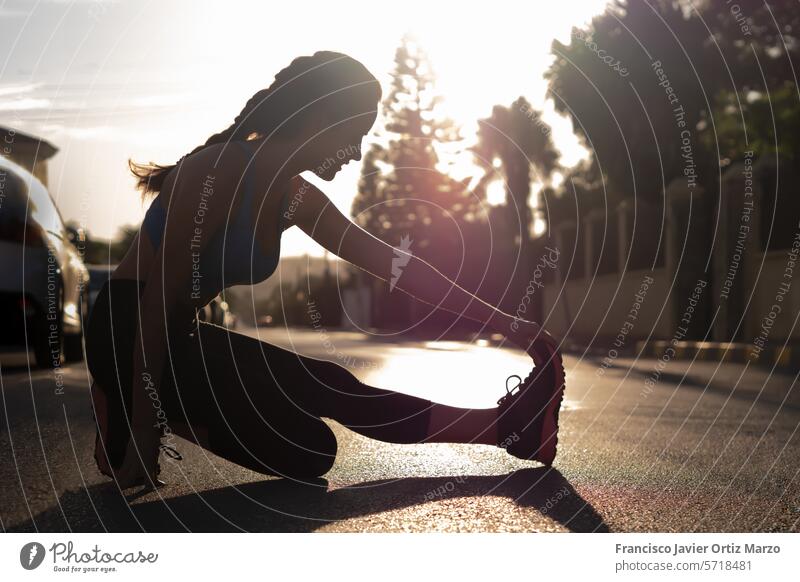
[528, 336]
[140, 465]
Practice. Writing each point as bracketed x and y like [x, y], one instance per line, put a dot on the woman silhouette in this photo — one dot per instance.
[217, 221]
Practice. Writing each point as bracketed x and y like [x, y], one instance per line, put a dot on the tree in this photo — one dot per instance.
[658, 92]
[513, 143]
[624, 80]
[767, 124]
[404, 197]
[108, 252]
[401, 190]
[643, 72]
[771, 124]
[516, 140]
[760, 40]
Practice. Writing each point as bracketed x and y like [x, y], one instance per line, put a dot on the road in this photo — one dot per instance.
[707, 447]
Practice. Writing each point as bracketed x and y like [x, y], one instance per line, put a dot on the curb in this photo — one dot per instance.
[785, 358]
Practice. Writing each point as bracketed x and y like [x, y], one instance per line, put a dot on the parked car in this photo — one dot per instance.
[42, 277]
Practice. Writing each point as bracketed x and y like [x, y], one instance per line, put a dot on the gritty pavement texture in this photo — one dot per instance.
[707, 447]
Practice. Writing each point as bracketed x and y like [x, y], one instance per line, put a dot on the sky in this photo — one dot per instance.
[109, 80]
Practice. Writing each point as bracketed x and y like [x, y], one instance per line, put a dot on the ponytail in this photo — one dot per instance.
[306, 80]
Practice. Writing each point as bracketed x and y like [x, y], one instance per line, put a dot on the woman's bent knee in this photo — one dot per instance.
[308, 453]
[317, 458]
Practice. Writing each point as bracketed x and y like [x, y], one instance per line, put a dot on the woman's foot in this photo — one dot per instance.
[527, 416]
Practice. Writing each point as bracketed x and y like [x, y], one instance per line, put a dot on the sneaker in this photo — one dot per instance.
[528, 413]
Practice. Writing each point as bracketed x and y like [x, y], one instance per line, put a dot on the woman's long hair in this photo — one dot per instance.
[326, 81]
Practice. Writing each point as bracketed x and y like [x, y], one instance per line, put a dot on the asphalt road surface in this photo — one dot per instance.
[707, 447]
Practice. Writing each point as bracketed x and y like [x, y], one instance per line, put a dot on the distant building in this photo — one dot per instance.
[28, 151]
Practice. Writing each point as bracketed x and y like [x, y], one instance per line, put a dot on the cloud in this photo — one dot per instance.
[62, 134]
[17, 89]
[25, 104]
[30, 5]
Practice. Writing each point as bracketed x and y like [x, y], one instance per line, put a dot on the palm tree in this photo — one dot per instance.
[512, 143]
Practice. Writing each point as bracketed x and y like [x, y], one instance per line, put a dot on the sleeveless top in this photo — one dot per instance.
[233, 256]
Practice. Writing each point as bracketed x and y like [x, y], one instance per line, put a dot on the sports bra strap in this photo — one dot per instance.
[154, 222]
[155, 218]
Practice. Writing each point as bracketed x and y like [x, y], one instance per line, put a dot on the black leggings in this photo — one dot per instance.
[259, 404]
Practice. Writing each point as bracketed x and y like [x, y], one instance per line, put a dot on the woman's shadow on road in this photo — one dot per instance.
[281, 505]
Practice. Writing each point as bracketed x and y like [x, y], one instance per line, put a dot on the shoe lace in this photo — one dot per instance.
[511, 391]
[514, 390]
[171, 452]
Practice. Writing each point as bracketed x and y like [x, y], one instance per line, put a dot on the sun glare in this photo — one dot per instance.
[193, 85]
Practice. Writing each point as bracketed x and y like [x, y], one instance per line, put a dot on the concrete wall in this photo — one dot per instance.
[744, 284]
[599, 309]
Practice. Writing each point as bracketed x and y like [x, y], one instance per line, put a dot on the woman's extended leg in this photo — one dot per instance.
[334, 392]
[266, 379]
[327, 389]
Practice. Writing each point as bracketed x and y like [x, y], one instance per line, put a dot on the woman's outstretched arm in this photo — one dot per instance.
[316, 215]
